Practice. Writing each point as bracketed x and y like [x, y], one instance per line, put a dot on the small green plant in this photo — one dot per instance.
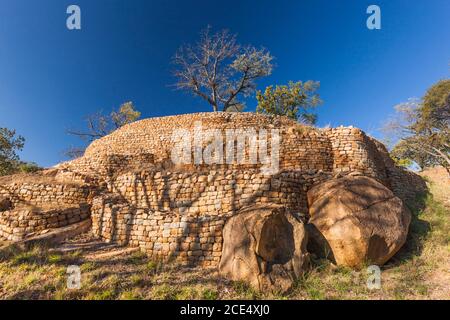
[107, 294]
[164, 292]
[28, 167]
[312, 284]
[187, 293]
[137, 258]
[209, 294]
[130, 295]
[137, 280]
[152, 266]
[88, 266]
[244, 291]
[54, 258]
[36, 255]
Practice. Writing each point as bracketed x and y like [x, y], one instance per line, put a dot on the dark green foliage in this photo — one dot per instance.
[423, 128]
[295, 101]
[10, 143]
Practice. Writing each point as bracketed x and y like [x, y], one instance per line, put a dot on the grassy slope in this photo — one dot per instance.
[420, 271]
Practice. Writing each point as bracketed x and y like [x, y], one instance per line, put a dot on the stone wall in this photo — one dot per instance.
[31, 207]
[405, 184]
[141, 198]
[149, 143]
[216, 192]
[24, 222]
[30, 193]
[353, 151]
[181, 215]
[161, 234]
[416, 185]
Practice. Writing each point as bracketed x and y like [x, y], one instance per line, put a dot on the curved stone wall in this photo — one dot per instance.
[141, 198]
[148, 144]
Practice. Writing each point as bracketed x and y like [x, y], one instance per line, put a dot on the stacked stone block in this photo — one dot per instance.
[23, 222]
[29, 193]
[34, 207]
[139, 197]
[162, 235]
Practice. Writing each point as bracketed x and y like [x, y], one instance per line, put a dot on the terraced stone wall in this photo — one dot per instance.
[24, 222]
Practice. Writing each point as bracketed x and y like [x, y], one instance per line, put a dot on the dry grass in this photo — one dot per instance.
[420, 271]
[41, 274]
[440, 184]
[302, 129]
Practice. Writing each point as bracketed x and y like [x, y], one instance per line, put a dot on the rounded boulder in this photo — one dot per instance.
[265, 246]
[356, 220]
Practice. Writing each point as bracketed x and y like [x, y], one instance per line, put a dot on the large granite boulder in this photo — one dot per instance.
[356, 220]
[265, 246]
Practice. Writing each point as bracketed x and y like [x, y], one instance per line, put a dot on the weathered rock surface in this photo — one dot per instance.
[5, 204]
[265, 246]
[356, 219]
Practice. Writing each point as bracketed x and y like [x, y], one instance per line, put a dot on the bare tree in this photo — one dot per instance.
[219, 70]
[100, 125]
[73, 152]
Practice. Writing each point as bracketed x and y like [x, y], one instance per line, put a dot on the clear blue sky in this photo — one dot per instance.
[50, 77]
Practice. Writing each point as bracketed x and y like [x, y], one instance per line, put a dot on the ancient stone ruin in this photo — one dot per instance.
[336, 186]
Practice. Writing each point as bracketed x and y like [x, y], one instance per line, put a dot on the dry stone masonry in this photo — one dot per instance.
[29, 207]
[129, 185]
[19, 223]
[29, 193]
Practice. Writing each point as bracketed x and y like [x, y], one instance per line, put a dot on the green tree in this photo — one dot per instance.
[126, 114]
[422, 128]
[219, 70]
[28, 167]
[10, 143]
[100, 125]
[295, 100]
